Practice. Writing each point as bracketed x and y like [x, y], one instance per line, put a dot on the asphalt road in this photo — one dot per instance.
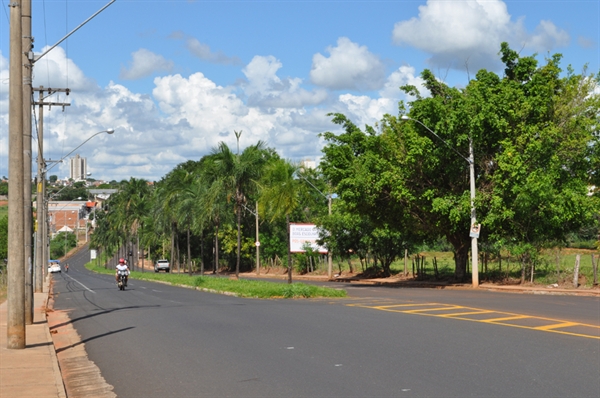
[155, 340]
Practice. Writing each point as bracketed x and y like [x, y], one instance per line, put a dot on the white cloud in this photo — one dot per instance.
[186, 116]
[202, 51]
[56, 70]
[349, 67]
[145, 63]
[457, 33]
[266, 89]
[405, 75]
[547, 36]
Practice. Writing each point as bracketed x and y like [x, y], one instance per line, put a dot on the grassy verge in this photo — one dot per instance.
[241, 288]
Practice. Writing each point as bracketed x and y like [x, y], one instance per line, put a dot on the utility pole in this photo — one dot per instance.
[42, 210]
[257, 242]
[15, 320]
[329, 254]
[27, 45]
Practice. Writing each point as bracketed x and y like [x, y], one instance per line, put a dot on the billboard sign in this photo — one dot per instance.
[301, 234]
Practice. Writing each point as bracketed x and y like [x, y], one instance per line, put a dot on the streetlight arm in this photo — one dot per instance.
[312, 185]
[109, 131]
[35, 59]
[404, 117]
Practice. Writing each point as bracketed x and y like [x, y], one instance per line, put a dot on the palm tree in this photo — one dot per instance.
[238, 175]
[135, 195]
[280, 196]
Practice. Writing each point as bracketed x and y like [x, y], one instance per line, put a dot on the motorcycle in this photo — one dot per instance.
[122, 280]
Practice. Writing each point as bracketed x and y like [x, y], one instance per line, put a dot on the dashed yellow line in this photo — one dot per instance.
[503, 318]
[557, 326]
[466, 313]
[506, 318]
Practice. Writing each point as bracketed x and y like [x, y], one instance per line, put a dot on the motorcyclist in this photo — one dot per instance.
[122, 267]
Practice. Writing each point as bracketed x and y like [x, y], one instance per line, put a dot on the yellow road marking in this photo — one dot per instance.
[557, 326]
[432, 307]
[508, 318]
[466, 313]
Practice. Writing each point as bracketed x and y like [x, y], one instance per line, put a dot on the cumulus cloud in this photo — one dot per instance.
[56, 70]
[265, 89]
[586, 42]
[184, 117]
[203, 51]
[461, 33]
[405, 75]
[145, 63]
[348, 67]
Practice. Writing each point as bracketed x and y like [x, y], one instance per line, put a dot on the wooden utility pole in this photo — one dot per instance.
[42, 210]
[27, 45]
[15, 320]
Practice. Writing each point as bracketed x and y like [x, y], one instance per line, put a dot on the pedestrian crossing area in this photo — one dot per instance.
[481, 315]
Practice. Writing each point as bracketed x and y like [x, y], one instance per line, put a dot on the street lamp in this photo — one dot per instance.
[42, 233]
[328, 197]
[109, 131]
[257, 243]
[471, 161]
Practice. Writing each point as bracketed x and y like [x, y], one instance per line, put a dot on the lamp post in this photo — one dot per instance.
[328, 197]
[42, 233]
[257, 243]
[471, 161]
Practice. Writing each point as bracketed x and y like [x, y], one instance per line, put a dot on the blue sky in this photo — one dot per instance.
[174, 78]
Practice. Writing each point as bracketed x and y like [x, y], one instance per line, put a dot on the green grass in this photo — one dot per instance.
[509, 270]
[241, 287]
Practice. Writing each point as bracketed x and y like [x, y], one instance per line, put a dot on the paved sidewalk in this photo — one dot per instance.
[32, 372]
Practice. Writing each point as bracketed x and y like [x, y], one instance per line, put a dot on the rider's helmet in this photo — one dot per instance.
[121, 261]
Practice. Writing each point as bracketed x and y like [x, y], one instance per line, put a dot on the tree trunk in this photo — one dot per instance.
[239, 236]
[576, 271]
[461, 247]
[202, 253]
[189, 251]
[178, 255]
[287, 220]
[172, 245]
[216, 270]
[461, 257]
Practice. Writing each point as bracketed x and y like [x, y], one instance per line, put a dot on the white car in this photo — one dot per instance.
[54, 267]
[162, 265]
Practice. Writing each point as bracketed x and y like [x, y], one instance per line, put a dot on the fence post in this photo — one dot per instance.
[576, 271]
[595, 269]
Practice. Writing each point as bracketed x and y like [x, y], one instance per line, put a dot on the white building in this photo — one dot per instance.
[78, 169]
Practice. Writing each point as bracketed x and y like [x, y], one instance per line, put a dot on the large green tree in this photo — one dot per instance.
[535, 139]
[238, 174]
[280, 196]
[364, 168]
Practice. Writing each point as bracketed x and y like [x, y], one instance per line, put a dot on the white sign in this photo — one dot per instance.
[93, 254]
[301, 234]
[475, 229]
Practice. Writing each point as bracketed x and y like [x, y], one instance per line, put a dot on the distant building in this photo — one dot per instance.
[308, 164]
[78, 170]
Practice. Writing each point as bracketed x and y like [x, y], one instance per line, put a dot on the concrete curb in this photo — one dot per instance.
[55, 365]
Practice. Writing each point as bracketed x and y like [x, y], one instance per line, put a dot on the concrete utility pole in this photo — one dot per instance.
[329, 254]
[42, 211]
[257, 243]
[27, 45]
[15, 320]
